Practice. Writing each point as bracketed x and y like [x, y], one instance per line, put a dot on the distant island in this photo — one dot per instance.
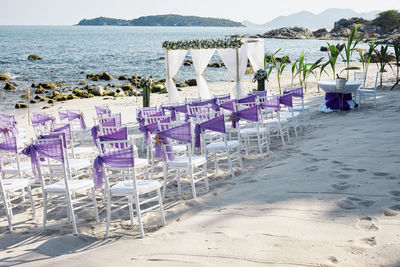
[162, 20]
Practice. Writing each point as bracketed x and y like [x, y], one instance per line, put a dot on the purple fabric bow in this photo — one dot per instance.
[9, 144]
[216, 124]
[9, 130]
[115, 135]
[286, 100]
[105, 123]
[151, 129]
[171, 110]
[73, 116]
[183, 109]
[101, 111]
[179, 133]
[51, 149]
[250, 114]
[272, 103]
[122, 158]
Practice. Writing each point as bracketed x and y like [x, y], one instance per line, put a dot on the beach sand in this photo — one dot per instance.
[331, 198]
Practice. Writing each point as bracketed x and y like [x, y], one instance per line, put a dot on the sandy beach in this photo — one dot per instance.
[331, 198]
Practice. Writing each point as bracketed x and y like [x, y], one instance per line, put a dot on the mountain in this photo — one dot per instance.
[313, 21]
[247, 23]
[162, 20]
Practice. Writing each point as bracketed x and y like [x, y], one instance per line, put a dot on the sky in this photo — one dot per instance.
[69, 12]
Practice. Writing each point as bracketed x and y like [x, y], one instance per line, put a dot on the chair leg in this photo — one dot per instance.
[95, 205]
[32, 202]
[216, 162]
[240, 160]
[139, 215]
[71, 209]
[230, 163]
[260, 147]
[108, 215]
[7, 207]
[130, 206]
[161, 207]
[44, 211]
[165, 181]
[192, 181]
[206, 177]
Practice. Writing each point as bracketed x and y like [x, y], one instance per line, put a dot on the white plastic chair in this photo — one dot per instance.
[368, 93]
[66, 190]
[184, 164]
[129, 191]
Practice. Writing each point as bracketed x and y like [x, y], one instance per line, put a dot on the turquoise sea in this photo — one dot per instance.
[70, 52]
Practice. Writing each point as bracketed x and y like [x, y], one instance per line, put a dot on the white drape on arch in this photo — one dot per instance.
[200, 58]
[255, 53]
[236, 62]
[174, 59]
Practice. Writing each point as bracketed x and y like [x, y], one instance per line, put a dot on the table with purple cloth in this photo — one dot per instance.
[338, 99]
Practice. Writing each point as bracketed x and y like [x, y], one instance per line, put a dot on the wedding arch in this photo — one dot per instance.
[233, 52]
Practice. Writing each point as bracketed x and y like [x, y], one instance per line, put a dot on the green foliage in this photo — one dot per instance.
[306, 69]
[383, 61]
[260, 75]
[352, 42]
[270, 61]
[387, 20]
[365, 57]
[202, 44]
[396, 47]
[280, 67]
[334, 52]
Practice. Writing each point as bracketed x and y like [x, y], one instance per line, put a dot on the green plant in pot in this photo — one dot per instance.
[146, 83]
[333, 54]
[260, 76]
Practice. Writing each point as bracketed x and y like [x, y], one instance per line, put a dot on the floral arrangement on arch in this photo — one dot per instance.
[260, 75]
[202, 44]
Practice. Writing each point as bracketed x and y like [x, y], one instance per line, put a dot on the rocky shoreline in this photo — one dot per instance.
[340, 31]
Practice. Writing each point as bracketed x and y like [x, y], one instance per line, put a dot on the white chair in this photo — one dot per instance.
[293, 117]
[129, 191]
[254, 130]
[217, 145]
[66, 190]
[12, 164]
[368, 93]
[190, 100]
[184, 165]
[276, 125]
[13, 189]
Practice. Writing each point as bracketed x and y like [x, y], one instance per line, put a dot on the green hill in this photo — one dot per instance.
[162, 20]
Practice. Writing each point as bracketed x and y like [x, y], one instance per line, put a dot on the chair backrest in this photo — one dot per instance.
[216, 124]
[63, 115]
[101, 110]
[9, 150]
[155, 119]
[360, 76]
[108, 118]
[121, 158]
[117, 135]
[54, 151]
[181, 133]
[190, 100]
[222, 96]
[41, 123]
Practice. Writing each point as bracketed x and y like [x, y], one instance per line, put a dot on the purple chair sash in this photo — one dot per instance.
[250, 114]
[286, 100]
[248, 99]
[271, 103]
[52, 149]
[151, 129]
[183, 109]
[229, 105]
[63, 115]
[179, 133]
[95, 129]
[9, 144]
[101, 111]
[66, 129]
[171, 110]
[297, 92]
[55, 135]
[9, 130]
[41, 119]
[120, 134]
[216, 124]
[73, 116]
[122, 158]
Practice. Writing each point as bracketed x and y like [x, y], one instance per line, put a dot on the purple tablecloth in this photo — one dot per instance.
[336, 101]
